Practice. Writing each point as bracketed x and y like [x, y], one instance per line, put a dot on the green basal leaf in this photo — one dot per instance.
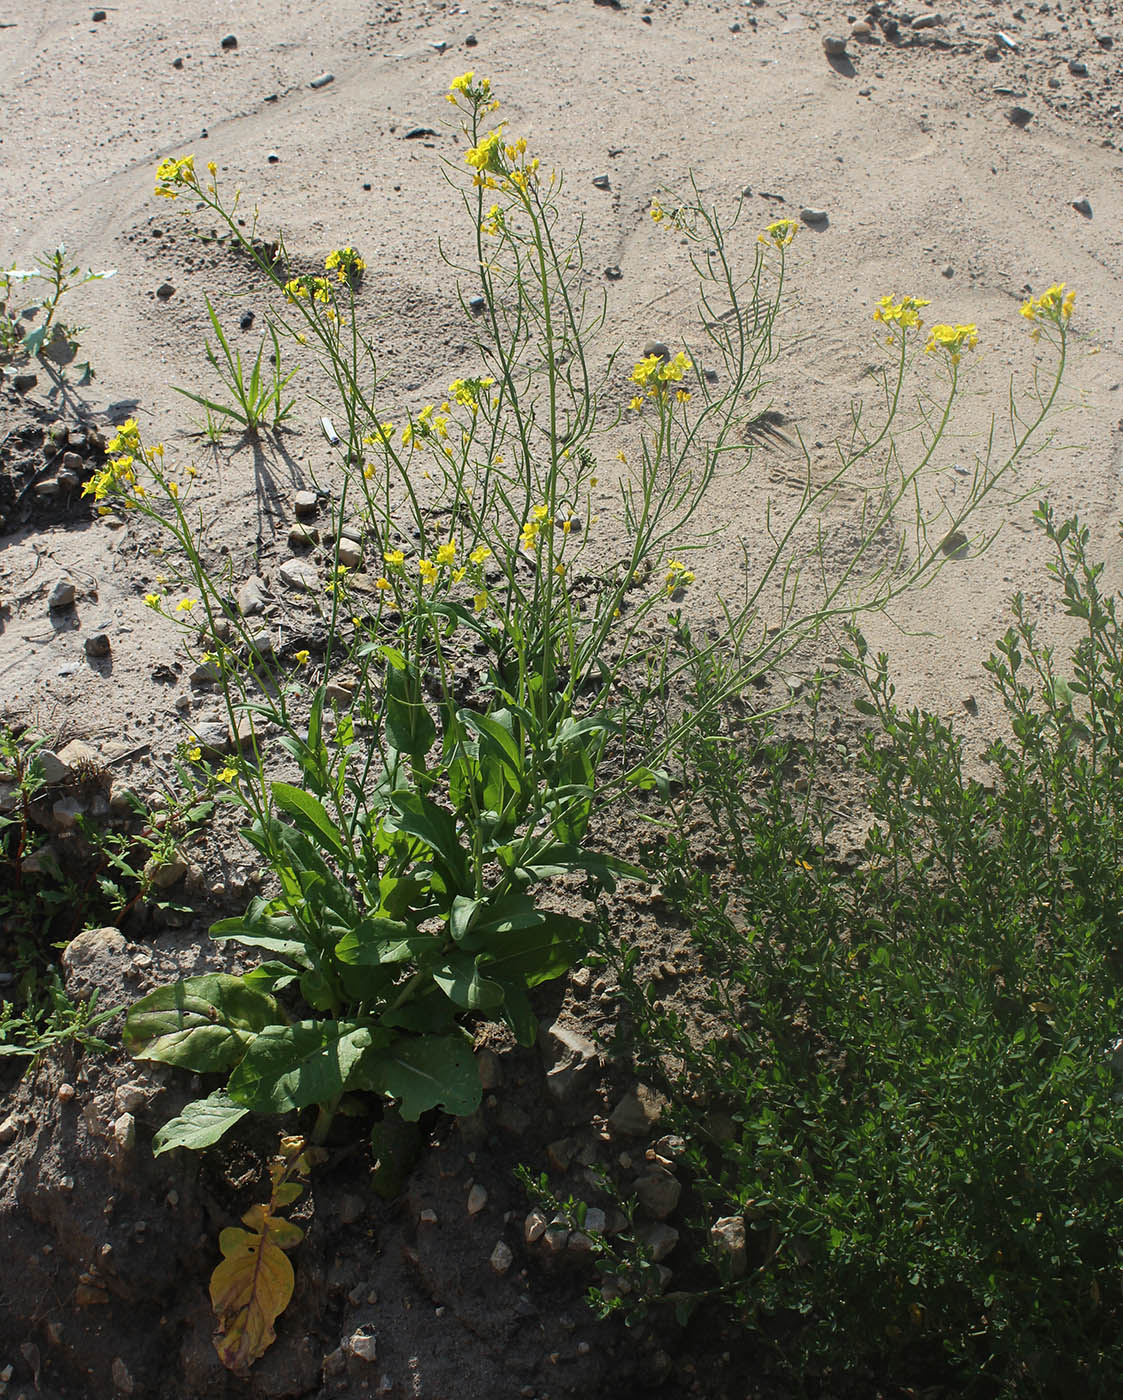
[203, 1023]
[525, 957]
[409, 725]
[200, 1124]
[427, 1071]
[433, 825]
[290, 1067]
[378, 940]
[310, 816]
[462, 982]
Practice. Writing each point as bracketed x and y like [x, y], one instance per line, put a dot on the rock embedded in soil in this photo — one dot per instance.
[659, 1238]
[252, 596]
[229, 41]
[63, 594]
[502, 1257]
[1019, 117]
[658, 1193]
[833, 46]
[637, 1112]
[350, 555]
[301, 575]
[363, 1346]
[98, 645]
[1083, 206]
[305, 503]
[815, 218]
[477, 1199]
[165, 291]
[931, 21]
[534, 1227]
[303, 536]
[727, 1238]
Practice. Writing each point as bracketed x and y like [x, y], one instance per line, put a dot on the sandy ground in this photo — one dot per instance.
[907, 146]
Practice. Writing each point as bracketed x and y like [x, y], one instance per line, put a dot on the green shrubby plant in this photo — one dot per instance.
[914, 1106]
[508, 641]
[52, 279]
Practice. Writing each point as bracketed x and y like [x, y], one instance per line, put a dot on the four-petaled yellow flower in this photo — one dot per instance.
[1054, 304]
[152, 600]
[446, 553]
[528, 537]
[302, 658]
[479, 600]
[953, 340]
[678, 577]
[480, 554]
[657, 211]
[195, 753]
[488, 154]
[780, 233]
[383, 584]
[905, 312]
[175, 172]
[427, 569]
[345, 263]
[226, 775]
[185, 604]
[394, 557]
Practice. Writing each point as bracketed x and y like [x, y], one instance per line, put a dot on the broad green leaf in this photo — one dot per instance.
[292, 1066]
[462, 982]
[259, 927]
[310, 816]
[563, 859]
[517, 1014]
[433, 825]
[202, 1024]
[409, 725]
[529, 956]
[375, 941]
[199, 1124]
[426, 1072]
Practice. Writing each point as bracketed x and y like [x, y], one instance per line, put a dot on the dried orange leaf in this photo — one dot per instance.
[251, 1287]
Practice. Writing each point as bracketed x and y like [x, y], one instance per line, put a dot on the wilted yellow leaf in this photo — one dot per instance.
[252, 1286]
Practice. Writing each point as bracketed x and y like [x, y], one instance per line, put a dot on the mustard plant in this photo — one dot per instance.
[415, 855]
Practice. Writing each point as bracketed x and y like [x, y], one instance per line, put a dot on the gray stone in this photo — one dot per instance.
[660, 1239]
[53, 767]
[352, 531]
[601, 182]
[363, 1346]
[862, 29]
[322, 80]
[1019, 117]
[658, 1193]
[305, 503]
[124, 1132]
[833, 46]
[502, 1257]
[341, 693]
[932, 21]
[815, 218]
[1078, 68]
[637, 1112]
[166, 873]
[65, 813]
[477, 1199]
[165, 291]
[229, 41]
[489, 1068]
[78, 754]
[62, 594]
[48, 489]
[8, 1129]
[727, 1237]
[350, 555]
[252, 596]
[95, 958]
[596, 1222]
[98, 645]
[534, 1226]
[1083, 206]
[303, 536]
[301, 575]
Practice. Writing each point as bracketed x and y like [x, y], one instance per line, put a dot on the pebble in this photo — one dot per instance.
[489, 1069]
[601, 182]
[815, 218]
[322, 80]
[502, 1257]
[252, 596]
[471, 40]
[579, 1243]
[339, 692]
[66, 812]
[947, 270]
[54, 769]
[534, 1227]
[98, 16]
[614, 273]
[272, 157]
[66, 1093]
[305, 503]
[637, 1112]
[124, 1131]
[363, 1346]
[229, 41]
[177, 62]
[246, 320]
[350, 556]
[165, 290]
[303, 537]
[659, 1238]
[8, 1129]
[833, 46]
[727, 1236]
[46, 490]
[861, 30]
[25, 382]
[1083, 206]
[658, 1192]
[62, 595]
[596, 1222]
[427, 1217]
[477, 1199]
[932, 21]
[476, 304]
[734, 28]
[1019, 117]
[98, 645]
[1078, 68]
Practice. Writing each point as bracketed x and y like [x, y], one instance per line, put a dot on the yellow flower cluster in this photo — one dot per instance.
[467, 391]
[478, 94]
[952, 340]
[176, 172]
[654, 374]
[345, 263]
[678, 577]
[427, 426]
[303, 287]
[779, 234]
[905, 312]
[1054, 304]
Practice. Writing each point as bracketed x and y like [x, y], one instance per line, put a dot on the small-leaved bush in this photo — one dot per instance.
[912, 1094]
[506, 634]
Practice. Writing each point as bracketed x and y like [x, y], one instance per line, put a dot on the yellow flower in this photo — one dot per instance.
[152, 600]
[540, 513]
[302, 658]
[212, 167]
[394, 557]
[528, 537]
[487, 155]
[173, 489]
[226, 775]
[643, 371]
[673, 370]
[345, 263]
[952, 340]
[657, 211]
[480, 554]
[682, 395]
[446, 553]
[636, 403]
[905, 312]
[1054, 304]
[779, 234]
[678, 577]
[567, 526]
[458, 575]
[191, 471]
[427, 569]
[461, 84]
[185, 604]
[479, 600]
[382, 584]
[195, 753]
